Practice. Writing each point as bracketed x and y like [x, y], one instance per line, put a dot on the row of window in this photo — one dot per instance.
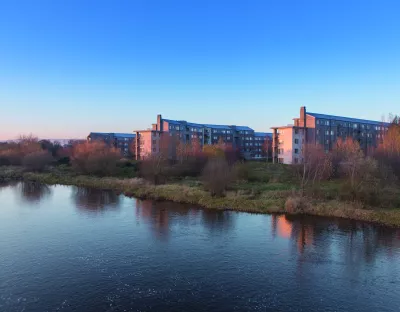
[281, 151]
[363, 134]
[350, 125]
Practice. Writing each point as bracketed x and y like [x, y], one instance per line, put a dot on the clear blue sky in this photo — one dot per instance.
[71, 67]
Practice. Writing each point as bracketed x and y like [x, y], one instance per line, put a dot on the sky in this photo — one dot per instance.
[71, 67]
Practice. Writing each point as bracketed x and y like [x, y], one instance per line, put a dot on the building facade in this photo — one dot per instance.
[324, 130]
[122, 141]
[250, 143]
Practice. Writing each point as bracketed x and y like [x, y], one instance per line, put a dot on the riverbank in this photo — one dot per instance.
[267, 198]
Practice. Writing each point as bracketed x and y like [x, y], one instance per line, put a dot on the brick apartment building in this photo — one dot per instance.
[245, 139]
[122, 141]
[325, 130]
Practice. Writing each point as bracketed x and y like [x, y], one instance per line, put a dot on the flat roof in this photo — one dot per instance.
[192, 124]
[122, 135]
[347, 119]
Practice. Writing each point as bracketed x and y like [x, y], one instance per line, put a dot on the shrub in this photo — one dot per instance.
[242, 171]
[94, 158]
[37, 161]
[316, 167]
[191, 167]
[295, 205]
[10, 157]
[217, 175]
[154, 169]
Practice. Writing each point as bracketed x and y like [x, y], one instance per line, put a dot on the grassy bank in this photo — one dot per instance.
[253, 197]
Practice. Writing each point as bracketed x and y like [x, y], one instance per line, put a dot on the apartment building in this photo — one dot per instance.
[122, 141]
[325, 130]
[245, 139]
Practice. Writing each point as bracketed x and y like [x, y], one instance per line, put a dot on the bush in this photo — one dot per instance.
[191, 167]
[10, 157]
[37, 161]
[242, 171]
[294, 205]
[94, 158]
[154, 169]
[217, 175]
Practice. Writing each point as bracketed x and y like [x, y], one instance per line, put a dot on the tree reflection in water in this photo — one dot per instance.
[157, 214]
[163, 215]
[93, 200]
[33, 192]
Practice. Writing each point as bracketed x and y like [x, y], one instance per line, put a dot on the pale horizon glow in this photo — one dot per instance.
[71, 68]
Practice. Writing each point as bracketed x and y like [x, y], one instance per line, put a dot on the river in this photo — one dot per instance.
[66, 248]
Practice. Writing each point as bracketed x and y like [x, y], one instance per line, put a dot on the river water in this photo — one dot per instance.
[75, 249]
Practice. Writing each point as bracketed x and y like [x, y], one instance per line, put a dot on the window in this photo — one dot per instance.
[154, 150]
[228, 131]
[355, 126]
[296, 141]
[154, 142]
[296, 150]
[215, 138]
[177, 127]
[296, 160]
[296, 131]
[200, 136]
[224, 131]
[327, 132]
[332, 132]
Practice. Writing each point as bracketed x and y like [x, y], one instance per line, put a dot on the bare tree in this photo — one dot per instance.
[317, 166]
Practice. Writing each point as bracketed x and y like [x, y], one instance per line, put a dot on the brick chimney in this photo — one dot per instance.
[159, 123]
[303, 115]
[303, 121]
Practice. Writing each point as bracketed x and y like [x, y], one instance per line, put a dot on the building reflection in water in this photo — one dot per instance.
[94, 201]
[33, 192]
[361, 242]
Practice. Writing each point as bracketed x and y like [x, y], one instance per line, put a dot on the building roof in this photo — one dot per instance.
[346, 119]
[263, 134]
[118, 135]
[244, 128]
[192, 124]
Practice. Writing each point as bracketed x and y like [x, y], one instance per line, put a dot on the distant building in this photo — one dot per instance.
[121, 141]
[243, 138]
[314, 128]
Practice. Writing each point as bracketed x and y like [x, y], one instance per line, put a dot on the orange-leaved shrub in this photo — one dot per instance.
[94, 158]
[217, 175]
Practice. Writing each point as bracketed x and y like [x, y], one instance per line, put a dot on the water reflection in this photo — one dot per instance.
[163, 215]
[33, 192]
[157, 213]
[217, 220]
[311, 235]
[93, 200]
